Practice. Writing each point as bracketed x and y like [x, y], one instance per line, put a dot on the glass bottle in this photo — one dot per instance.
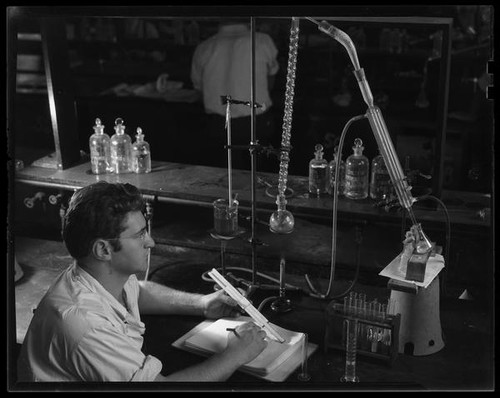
[318, 172]
[141, 154]
[332, 166]
[99, 144]
[120, 148]
[380, 181]
[356, 173]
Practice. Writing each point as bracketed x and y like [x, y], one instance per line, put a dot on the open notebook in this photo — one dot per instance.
[213, 338]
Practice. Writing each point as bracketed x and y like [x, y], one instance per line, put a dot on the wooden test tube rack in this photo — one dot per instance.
[335, 338]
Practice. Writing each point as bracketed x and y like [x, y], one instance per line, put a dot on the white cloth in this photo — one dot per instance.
[221, 66]
[80, 332]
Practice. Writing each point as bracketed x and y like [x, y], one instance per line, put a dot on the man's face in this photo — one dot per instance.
[136, 243]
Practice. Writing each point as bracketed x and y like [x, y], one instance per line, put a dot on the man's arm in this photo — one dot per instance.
[159, 299]
[241, 348]
[219, 367]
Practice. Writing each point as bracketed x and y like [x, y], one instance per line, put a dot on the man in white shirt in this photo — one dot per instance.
[221, 66]
[88, 326]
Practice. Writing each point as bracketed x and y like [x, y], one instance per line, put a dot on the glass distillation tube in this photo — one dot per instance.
[351, 337]
[282, 220]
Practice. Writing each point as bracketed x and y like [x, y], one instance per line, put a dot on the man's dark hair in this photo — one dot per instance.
[98, 211]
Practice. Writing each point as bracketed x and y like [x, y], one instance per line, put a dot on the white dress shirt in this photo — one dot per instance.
[80, 332]
[221, 67]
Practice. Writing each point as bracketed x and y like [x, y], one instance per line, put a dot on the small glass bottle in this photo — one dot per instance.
[318, 172]
[380, 181]
[141, 154]
[356, 173]
[332, 166]
[99, 149]
[120, 149]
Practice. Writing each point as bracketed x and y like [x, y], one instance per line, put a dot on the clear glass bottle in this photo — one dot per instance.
[356, 172]
[318, 172]
[141, 154]
[380, 181]
[99, 144]
[121, 145]
[332, 166]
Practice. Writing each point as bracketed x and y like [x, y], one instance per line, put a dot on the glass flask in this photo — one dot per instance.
[380, 180]
[281, 221]
[332, 166]
[356, 173]
[318, 173]
[99, 149]
[121, 145]
[141, 154]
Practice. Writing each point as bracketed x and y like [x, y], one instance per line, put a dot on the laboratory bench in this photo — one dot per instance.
[182, 197]
[465, 363]
[201, 185]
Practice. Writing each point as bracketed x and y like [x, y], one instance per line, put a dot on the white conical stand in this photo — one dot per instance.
[420, 320]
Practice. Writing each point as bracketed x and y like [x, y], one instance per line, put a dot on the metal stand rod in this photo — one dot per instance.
[253, 154]
[223, 257]
[149, 220]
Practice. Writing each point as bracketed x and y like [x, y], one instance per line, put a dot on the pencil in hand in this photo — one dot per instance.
[234, 331]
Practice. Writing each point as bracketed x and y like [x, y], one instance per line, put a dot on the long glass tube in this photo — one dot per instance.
[282, 221]
[287, 116]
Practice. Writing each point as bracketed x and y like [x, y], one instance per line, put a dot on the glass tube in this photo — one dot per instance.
[351, 337]
[304, 375]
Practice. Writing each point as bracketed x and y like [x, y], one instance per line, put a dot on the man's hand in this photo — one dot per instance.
[219, 305]
[246, 343]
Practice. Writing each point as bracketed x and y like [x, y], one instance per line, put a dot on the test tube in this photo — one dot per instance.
[378, 311]
[351, 302]
[390, 306]
[362, 304]
[304, 375]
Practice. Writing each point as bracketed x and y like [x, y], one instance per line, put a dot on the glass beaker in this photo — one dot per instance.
[225, 217]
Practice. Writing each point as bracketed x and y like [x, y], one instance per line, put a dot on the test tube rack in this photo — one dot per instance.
[378, 331]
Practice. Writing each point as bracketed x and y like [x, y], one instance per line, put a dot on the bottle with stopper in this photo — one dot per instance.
[356, 172]
[332, 167]
[120, 149]
[99, 144]
[380, 181]
[318, 173]
[141, 154]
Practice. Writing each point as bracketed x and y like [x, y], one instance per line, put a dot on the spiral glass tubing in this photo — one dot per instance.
[287, 116]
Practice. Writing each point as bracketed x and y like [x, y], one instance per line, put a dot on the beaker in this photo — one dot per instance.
[225, 217]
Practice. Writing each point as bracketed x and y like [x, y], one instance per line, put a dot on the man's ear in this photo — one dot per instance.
[101, 249]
